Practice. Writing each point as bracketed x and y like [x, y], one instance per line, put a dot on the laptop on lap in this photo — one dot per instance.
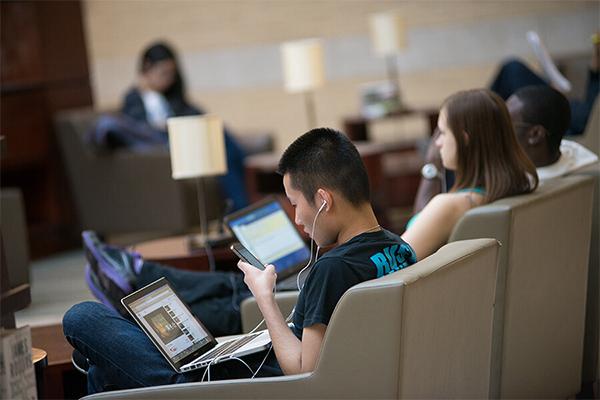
[183, 340]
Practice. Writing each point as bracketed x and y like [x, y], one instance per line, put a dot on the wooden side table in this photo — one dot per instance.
[176, 252]
[357, 127]
[60, 379]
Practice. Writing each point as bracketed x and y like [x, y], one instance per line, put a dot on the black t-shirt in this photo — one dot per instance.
[364, 257]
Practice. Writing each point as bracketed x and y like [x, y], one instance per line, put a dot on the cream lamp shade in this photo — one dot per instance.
[302, 65]
[388, 33]
[197, 146]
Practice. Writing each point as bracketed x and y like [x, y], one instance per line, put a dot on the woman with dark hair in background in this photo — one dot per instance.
[160, 94]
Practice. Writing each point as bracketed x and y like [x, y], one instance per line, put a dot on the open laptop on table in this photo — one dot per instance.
[267, 232]
[183, 340]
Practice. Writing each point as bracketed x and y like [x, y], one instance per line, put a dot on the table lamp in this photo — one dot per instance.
[197, 147]
[303, 71]
[388, 34]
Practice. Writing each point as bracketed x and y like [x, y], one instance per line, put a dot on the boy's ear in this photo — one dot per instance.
[323, 195]
[536, 135]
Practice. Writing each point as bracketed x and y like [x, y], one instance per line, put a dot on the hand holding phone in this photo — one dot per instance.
[245, 255]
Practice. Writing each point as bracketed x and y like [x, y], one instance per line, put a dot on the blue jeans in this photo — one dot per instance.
[121, 356]
[514, 75]
[233, 183]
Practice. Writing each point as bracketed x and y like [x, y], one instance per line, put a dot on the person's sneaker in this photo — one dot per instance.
[79, 361]
[111, 301]
[552, 73]
[112, 271]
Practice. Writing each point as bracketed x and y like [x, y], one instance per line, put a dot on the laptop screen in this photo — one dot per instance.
[268, 233]
[169, 322]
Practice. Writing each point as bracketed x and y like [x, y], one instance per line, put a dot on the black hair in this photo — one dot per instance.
[545, 106]
[157, 52]
[324, 157]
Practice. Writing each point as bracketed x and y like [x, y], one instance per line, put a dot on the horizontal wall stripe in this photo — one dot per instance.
[348, 57]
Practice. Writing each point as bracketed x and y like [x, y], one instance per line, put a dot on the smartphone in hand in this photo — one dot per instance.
[245, 255]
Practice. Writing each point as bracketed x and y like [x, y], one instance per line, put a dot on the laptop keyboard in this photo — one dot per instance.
[227, 348]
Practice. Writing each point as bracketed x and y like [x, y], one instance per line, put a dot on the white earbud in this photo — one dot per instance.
[322, 206]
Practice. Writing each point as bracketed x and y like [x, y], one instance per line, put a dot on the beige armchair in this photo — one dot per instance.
[121, 191]
[541, 293]
[422, 332]
[539, 320]
[591, 348]
[591, 355]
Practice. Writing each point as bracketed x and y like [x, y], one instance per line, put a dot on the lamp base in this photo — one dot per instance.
[379, 99]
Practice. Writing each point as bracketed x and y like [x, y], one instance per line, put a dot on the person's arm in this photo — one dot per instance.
[133, 106]
[428, 188]
[294, 356]
[434, 225]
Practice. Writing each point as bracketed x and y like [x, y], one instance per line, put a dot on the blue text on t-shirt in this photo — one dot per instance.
[392, 258]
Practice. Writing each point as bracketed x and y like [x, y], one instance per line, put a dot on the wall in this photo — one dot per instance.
[230, 50]
[43, 71]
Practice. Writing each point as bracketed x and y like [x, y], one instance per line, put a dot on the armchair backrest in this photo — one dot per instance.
[591, 348]
[541, 292]
[420, 332]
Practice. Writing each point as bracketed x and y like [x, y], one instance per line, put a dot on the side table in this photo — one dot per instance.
[176, 252]
[60, 379]
[357, 126]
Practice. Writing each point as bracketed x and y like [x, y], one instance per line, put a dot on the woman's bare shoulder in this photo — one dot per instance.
[454, 202]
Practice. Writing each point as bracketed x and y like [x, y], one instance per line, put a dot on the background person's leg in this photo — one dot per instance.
[233, 183]
[512, 76]
[581, 110]
[192, 285]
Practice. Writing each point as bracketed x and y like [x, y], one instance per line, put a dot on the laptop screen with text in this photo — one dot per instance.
[267, 232]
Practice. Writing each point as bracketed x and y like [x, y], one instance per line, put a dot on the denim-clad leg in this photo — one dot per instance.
[233, 183]
[514, 75]
[213, 297]
[581, 109]
[121, 356]
[120, 353]
[190, 285]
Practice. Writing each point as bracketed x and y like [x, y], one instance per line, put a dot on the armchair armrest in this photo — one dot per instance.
[260, 388]
[251, 315]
